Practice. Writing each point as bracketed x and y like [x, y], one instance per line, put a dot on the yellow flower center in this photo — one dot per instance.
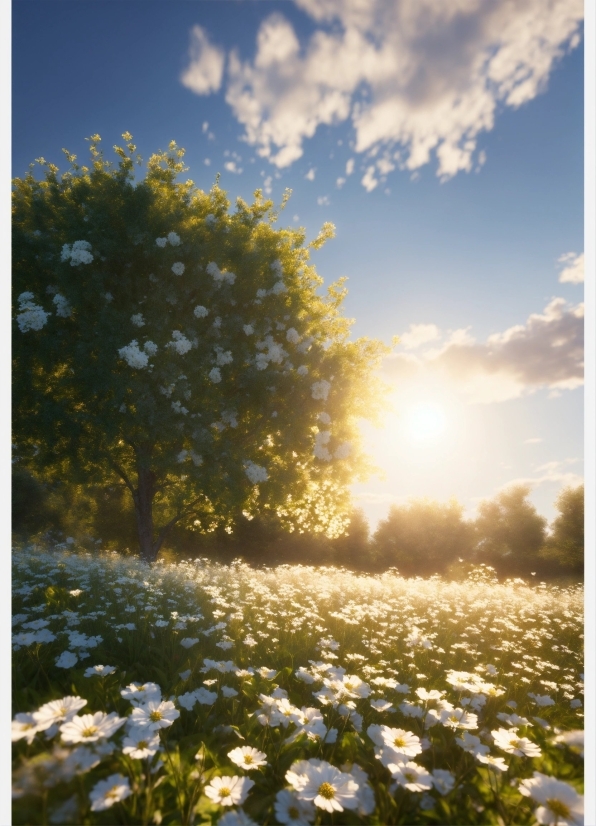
[142, 744]
[248, 758]
[558, 808]
[399, 741]
[224, 792]
[89, 732]
[327, 791]
[293, 813]
[155, 716]
[410, 776]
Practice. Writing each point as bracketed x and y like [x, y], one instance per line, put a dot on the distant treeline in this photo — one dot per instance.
[420, 538]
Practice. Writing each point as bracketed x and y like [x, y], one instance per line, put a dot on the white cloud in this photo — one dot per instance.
[230, 166]
[205, 126]
[350, 166]
[369, 182]
[421, 76]
[323, 200]
[573, 272]
[204, 72]
[340, 182]
[310, 175]
[207, 162]
[418, 334]
[545, 352]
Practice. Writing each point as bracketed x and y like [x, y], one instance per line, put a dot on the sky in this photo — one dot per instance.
[443, 140]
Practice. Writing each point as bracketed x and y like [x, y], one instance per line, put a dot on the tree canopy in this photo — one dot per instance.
[185, 348]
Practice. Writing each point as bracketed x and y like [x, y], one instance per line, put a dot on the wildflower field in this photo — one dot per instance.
[207, 693]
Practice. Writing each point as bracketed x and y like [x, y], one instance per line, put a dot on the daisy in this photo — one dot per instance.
[458, 718]
[58, 711]
[248, 758]
[236, 818]
[403, 743]
[229, 791]
[324, 785]
[289, 809]
[494, 763]
[107, 792]
[561, 804]
[99, 670]
[411, 776]
[24, 726]
[507, 740]
[141, 692]
[91, 727]
[154, 714]
[140, 743]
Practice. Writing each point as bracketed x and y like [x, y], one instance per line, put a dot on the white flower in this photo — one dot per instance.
[381, 705]
[154, 714]
[290, 809]
[78, 253]
[325, 418]
[320, 390]
[508, 741]
[573, 739]
[324, 785]
[261, 293]
[247, 757]
[188, 642]
[58, 711]
[228, 692]
[66, 660]
[472, 744]
[458, 718]
[248, 329]
[141, 692]
[397, 743]
[561, 804]
[204, 697]
[255, 473]
[133, 356]
[181, 457]
[140, 743]
[91, 727]
[278, 288]
[63, 308]
[24, 726]
[215, 375]
[302, 370]
[411, 776]
[210, 220]
[138, 320]
[443, 780]
[494, 763]
[161, 242]
[173, 239]
[229, 791]
[541, 699]
[200, 311]
[223, 358]
[100, 670]
[179, 343]
[197, 459]
[178, 407]
[31, 316]
[236, 817]
[218, 276]
[107, 792]
[293, 336]
[178, 268]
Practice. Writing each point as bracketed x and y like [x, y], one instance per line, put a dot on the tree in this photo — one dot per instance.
[565, 545]
[353, 548]
[183, 348]
[509, 531]
[422, 537]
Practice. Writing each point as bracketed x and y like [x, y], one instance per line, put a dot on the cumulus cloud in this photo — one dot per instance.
[204, 72]
[573, 272]
[418, 334]
[310, 175]
[555, 471]
[417, 79]
[545, 352]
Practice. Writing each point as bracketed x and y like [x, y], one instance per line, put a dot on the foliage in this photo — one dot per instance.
[422, 537]
[565, 545]
[362, 654]
[162, 339]
[510, 532]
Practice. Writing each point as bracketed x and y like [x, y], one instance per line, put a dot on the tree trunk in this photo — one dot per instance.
[143, 499]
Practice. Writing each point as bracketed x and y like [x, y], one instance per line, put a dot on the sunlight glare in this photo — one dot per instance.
[426, 421]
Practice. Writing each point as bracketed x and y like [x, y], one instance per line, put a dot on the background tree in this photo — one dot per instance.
[163, 340]
[423, 537]
[510, 532]
[353, 548]
[565, 546]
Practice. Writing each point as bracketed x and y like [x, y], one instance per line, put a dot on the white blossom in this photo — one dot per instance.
[137, 319]
[31, 316]
[320, 389]
[343, 451]
[261, 293]
[63, 308]
[133, 356]
[200, 311]
[78, 253]
[277, 268]
[161, 242]
[179, 343]
[218, 276]
[293, 336]
[150, 347]
[248, 329]
[174, 239]
[320, 449]
[178, 268]
[181, 457]
[278, 288]
[108, 297]
[223, 357]
[215, 375]
[255, 473]
[210, 220]
[197, 459]
[178, 407]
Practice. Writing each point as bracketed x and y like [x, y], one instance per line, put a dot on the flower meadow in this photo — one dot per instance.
[198, 692]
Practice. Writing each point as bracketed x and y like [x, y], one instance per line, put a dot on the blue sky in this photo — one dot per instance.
[464, 136]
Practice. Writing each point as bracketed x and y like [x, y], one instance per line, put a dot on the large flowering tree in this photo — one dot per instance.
[182, 347]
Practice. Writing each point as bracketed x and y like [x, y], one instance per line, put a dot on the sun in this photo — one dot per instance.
[426, 421]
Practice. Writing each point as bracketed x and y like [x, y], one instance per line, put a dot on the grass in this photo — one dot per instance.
[261, 648]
